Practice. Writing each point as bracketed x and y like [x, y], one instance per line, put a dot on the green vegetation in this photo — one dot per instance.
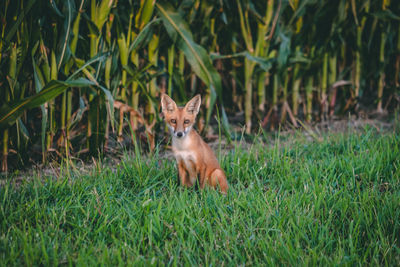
[297, 202]
[81, 79]
[74, 72]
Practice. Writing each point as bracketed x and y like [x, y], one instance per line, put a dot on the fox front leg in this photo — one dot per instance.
[182, 173]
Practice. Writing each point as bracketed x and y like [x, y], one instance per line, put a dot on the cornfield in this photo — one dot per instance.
[80, 76]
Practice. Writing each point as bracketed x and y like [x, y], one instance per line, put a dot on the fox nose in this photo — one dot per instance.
[179, 134]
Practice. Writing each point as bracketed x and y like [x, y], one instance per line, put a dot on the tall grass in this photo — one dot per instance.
[297, 202]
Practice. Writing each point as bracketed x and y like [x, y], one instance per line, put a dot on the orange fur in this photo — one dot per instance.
[194, 157]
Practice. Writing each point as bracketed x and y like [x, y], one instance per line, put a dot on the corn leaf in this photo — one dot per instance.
[11, 111]
[143, 35]
[195, 54]
[39, 83]
[146, 13]
[385, 15]
[20, 18]
[64, 41]
[263, 62]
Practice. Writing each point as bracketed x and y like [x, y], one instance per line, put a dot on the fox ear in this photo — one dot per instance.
[193, 106]
[167, 104]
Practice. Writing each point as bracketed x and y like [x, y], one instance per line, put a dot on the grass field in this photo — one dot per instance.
[298, 202]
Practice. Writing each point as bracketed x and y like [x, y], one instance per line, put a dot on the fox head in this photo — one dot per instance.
[180, 120]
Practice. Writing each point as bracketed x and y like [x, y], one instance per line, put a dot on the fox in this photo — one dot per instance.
[195, 159]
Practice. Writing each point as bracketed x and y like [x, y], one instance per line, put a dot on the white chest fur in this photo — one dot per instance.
[188, 157]
[182, 152]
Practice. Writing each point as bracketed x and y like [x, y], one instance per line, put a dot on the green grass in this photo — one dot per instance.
[335, 202]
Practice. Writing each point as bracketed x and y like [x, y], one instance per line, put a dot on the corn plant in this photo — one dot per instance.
[259, 49]
[65, 69]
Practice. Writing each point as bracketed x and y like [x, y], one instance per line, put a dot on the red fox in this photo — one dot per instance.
[194, 157]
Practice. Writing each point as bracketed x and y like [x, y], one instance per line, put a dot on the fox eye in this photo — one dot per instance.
[173, 121]
[186, 122]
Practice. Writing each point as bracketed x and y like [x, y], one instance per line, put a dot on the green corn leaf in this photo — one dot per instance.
[45, 118]
[79, 114]
[83, 65]
[284, 49]
[195, 54]
[225, 124]
[123, 49]
[101, 57]
[66, 34]
[215, 56]
[37, 75]
[385, 15]
[264, 63]
[244, 26]
[92, 26]
[97, 114]
[39, 83]
[11, 111]
[75, 33]
[298, 57]
[138, 74]
[147, 12]
[144, 35]
[23, 130]
[20, 17]
[53, 5]
[301, 9]
[102, 12]
[95, 83]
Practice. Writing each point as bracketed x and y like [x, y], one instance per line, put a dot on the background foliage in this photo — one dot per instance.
[75, 74]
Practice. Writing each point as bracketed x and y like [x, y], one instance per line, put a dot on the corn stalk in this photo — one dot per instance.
[259, 48]
[128, 52]
[381, 82]
[324, 86]
[170, 67]
[263, 78]
[99, 15]
[296, 79]
[12, 74]
[331, 80]
[397, 66]
[358, 60]
[152, 85]
[296, 86]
